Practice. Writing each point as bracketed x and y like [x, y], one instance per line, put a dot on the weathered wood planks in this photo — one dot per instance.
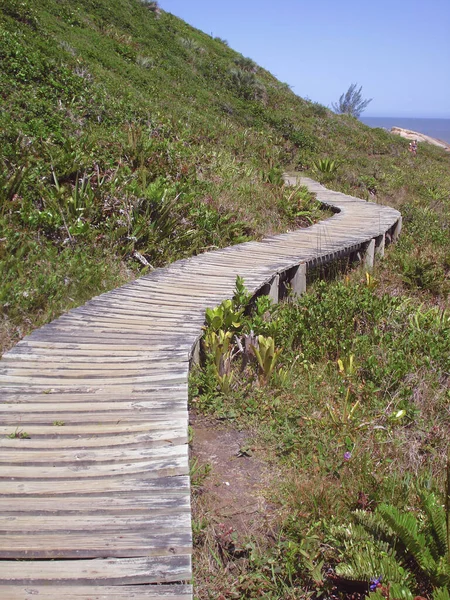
[151, 592]
[93, 416]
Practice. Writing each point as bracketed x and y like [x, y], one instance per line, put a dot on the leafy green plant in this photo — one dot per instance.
[219, 345]
[300, 206]
[326, 165]
[18, 434]
[266, 355]
[151, 5]
[347, 371]
[220, 350]
[146, 62]
[224, 316]
[198, 472]
[10, 184]
[423, 273]
[397, 547]
[191, 44]
[241, 296]
[274, 176]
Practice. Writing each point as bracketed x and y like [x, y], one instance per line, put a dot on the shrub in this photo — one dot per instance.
[246, 64]
[247, 85]
[351, 103]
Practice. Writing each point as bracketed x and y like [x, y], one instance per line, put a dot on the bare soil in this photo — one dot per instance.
[231, 483]
[235, 489]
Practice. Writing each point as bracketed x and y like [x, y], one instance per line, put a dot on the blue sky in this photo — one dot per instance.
[398, 50]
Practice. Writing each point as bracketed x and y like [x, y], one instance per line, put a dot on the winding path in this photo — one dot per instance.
[94, 485]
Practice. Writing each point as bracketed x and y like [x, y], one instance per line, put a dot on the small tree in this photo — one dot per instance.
[351, 103]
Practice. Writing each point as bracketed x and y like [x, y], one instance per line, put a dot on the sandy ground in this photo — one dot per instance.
[420, 137]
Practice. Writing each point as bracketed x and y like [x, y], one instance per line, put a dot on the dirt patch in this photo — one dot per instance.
[232, 515]
[234, 491]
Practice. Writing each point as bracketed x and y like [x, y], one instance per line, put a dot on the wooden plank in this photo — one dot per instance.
[123, 312]
[167, 461]
[37, 358]
[32, 524]
[85, 407]
[176, 392]
[73, 378]
[121, 388]
[112, 348]
[134, 503]
[56, 592]
[118, 338]
[137, 358]
[123, 418]
[118, 485]
[95, 431]
[89, 456]
[103, 571]
[109, 323]
[138, 310]
[113, 434]
[139, 298]
[47, 444]
[72, 368]
[144, 332]
[77, 545]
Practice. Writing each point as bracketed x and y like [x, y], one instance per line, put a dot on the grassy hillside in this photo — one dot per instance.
[129, 138]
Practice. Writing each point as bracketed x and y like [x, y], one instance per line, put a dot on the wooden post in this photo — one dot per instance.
[380, 242]
[274, 292]
[369, 255]
[298, 281]
[195, 353]
[397, 230]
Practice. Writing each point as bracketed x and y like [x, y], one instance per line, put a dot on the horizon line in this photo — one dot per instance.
[404, 117]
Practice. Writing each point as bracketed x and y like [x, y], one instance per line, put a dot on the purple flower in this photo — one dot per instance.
[347, 455]
[374, 583]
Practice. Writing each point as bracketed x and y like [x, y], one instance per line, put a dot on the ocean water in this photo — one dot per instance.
[437, 128]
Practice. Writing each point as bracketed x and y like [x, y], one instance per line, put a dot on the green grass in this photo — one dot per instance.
[126, 134]
[355, 413]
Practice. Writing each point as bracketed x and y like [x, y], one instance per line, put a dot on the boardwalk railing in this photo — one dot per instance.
[94, 488]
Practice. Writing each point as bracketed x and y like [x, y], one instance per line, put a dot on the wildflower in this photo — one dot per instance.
[374, 583]
[347, 455]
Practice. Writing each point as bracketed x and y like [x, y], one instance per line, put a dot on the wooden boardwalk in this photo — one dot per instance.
[94, 486]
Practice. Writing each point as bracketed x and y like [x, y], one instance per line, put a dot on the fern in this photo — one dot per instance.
[406, 528]
[441, 575]
[429, 549]
[372, 561]
[375, 526]
[437, 523]
[397, 591]
[441, 594]
[384, 543]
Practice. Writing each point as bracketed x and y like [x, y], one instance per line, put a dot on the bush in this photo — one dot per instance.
[351, 103]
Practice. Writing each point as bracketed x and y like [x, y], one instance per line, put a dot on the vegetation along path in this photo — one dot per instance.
[94, 491]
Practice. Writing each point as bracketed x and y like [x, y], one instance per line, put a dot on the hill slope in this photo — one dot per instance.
[131, 139]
